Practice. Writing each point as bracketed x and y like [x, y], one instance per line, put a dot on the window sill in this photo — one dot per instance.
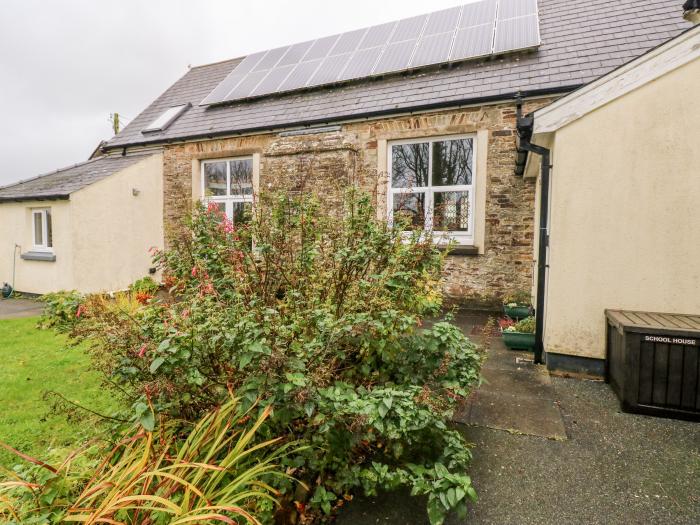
[39, 256]
[462, 251]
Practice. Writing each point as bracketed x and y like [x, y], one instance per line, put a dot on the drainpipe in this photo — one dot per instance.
[525, 127]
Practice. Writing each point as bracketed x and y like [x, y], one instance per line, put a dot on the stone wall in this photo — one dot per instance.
[325, 163]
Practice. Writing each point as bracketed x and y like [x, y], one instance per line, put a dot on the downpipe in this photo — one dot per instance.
[525, 126]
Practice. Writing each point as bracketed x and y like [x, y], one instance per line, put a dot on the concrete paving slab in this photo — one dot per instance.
[18, 307]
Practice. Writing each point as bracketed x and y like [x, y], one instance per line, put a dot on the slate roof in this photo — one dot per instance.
[61, 183]
[581, 41]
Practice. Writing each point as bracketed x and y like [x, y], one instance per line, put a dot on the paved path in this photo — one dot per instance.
[601, 466]
[15, 308]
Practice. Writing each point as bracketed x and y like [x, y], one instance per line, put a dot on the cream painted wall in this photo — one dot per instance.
[115, 229]
[16, 228]
[101, 236]
[625, 218]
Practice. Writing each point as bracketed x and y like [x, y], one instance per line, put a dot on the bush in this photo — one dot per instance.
[320, 316]
[61, 310]
[525, 326]
[517, 298]
[210, 472]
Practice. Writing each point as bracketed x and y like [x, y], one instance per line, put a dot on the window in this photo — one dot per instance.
[228, 183]
[166, 118]
[42, 233]
[432, 185]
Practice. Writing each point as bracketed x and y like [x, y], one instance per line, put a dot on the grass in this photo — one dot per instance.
[33, 362]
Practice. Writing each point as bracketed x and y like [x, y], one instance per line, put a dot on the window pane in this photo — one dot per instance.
[215, 178]
[49, 230]
[452, 162]
[38, 229]
[409, 165]
[242, 212]
[241, 177]
[451, 211]
[411, 208]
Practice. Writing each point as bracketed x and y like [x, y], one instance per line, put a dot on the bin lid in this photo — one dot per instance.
[654, 322]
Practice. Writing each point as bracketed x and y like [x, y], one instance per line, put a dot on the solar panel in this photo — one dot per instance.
[330, 69]
[473, 42]
[409, 28]
[455, 34]
[300, 76]
[396, 57]
[271, 58]
[245, 88]
[377, 35]
[516, 33]
[442, 21]
[272, 81]
[433, 49]
[295, 53]
[361, 63]
[348, 42]
[515, 8]
[479, 13]
[321, 47]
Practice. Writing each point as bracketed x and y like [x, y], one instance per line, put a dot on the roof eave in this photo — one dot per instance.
[511, 96]
[25, 198]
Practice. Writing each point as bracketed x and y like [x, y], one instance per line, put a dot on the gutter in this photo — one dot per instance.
[23, 198]
[525, 127]
[354, 117]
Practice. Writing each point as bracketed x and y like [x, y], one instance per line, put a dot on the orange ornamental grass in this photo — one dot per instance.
[213, 472]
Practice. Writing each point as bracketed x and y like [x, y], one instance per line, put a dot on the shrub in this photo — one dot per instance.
[526, 326]
[319, 315]
[209, 472]
[61, 310]
[517, 298]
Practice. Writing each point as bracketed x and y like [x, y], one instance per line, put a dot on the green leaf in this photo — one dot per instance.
[436, 513]
[155, 365]
[148, 420]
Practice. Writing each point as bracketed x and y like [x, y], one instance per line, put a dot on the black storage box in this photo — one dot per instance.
[653, 362]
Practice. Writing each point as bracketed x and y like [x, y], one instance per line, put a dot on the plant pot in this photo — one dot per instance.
[516, 312]
[519, 340]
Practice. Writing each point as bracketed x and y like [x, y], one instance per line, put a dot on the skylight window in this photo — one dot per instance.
[166, 118]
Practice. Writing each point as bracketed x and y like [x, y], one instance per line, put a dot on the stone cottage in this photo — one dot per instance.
[345, 128]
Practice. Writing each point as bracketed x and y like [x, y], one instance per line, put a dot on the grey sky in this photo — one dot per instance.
[65, 66]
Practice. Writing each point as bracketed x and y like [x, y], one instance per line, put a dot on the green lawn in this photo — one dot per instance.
[32, 362]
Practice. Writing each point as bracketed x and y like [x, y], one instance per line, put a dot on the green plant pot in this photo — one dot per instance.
[519, 340]
[516, 312]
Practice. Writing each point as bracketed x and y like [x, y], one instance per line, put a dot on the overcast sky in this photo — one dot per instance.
[66, 65]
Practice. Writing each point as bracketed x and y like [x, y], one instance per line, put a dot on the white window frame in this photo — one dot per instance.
[462, 238]
[228, 200]
[44, 245]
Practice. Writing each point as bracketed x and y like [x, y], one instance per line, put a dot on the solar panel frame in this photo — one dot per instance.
[453, 34]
